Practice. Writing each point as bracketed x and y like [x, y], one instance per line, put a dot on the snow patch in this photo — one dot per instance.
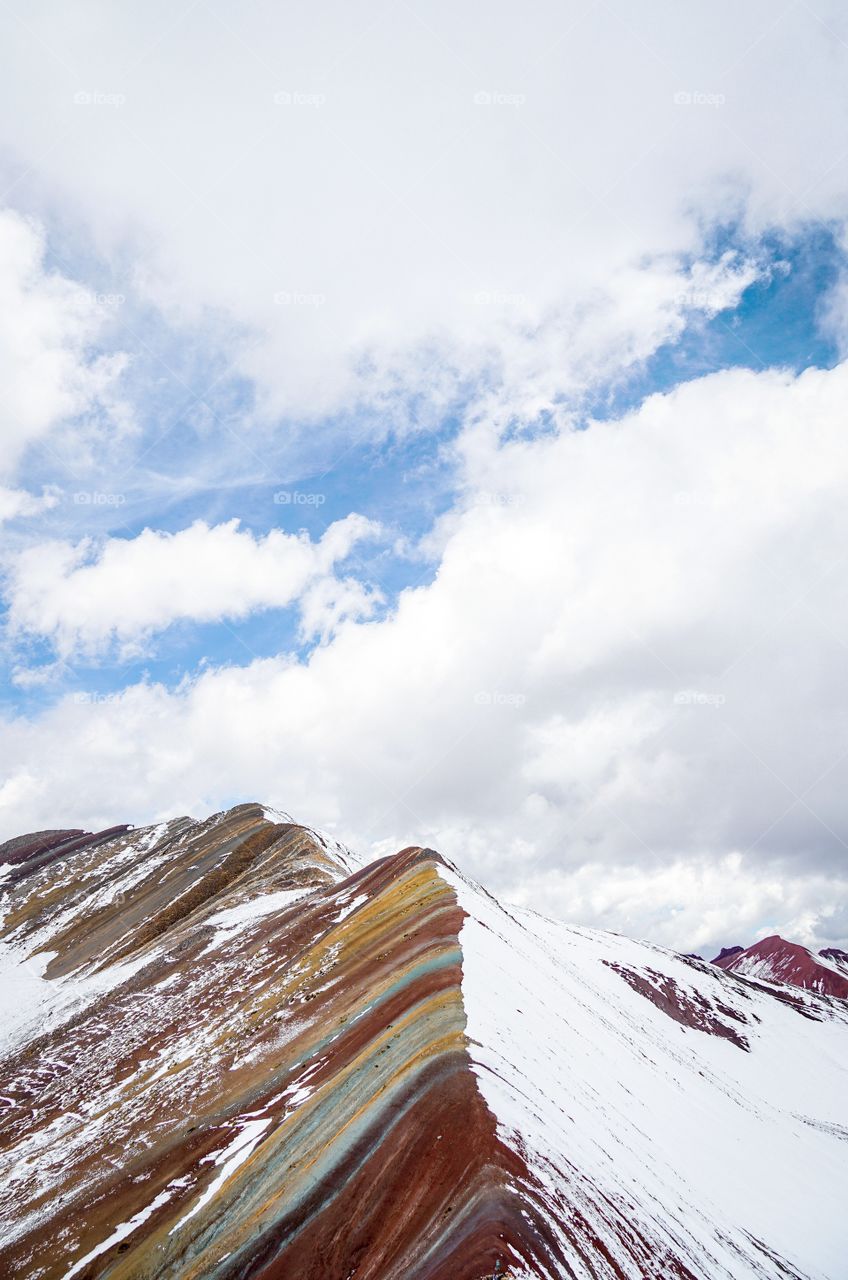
[229, 1159]
[123, 1230]
[614, 1102]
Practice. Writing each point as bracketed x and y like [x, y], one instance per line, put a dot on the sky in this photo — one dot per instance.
[429, 420]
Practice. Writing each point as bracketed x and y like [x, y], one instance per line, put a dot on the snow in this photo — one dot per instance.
[229, 1159]
[232, 920]
[25, 996]
[704, 1145]
[123, 1230]
[277, 816]
[256, 908]
[350, 907]
[347, 859]
[31, 1004]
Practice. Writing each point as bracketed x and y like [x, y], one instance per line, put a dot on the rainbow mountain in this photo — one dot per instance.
[230, 1049]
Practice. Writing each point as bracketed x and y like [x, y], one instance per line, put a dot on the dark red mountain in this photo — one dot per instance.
[774, 959]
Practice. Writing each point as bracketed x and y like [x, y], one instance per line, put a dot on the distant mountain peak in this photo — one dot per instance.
[774, 959]
[727, 953]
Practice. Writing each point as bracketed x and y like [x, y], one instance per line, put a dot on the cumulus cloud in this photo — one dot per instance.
[619, 693]
[48, 323]
[85, 596]
[18, 503]
[382, 199]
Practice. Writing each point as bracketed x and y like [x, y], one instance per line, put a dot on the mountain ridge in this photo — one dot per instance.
[247, 1054]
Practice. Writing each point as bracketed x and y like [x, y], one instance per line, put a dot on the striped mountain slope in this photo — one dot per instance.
[231, 1051]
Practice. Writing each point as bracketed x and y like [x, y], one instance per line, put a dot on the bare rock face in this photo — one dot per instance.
[233, 1050]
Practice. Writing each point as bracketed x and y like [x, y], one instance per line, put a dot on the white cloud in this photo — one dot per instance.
[18, 503]
[630, 660]
[48, 375]
[629, 663]
[327, 602]
[383, 197]
[85, 596]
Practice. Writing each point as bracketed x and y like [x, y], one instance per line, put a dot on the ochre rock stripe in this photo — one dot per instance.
[392, 1165]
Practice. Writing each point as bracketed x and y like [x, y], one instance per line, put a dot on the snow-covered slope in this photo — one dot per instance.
[233, 1050]
[687, 1124]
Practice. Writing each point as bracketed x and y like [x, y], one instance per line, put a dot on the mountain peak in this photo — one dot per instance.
[774, 959]
[725, 954]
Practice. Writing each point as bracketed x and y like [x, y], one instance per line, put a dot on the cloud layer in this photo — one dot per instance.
[619, 695]
[383, 199]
